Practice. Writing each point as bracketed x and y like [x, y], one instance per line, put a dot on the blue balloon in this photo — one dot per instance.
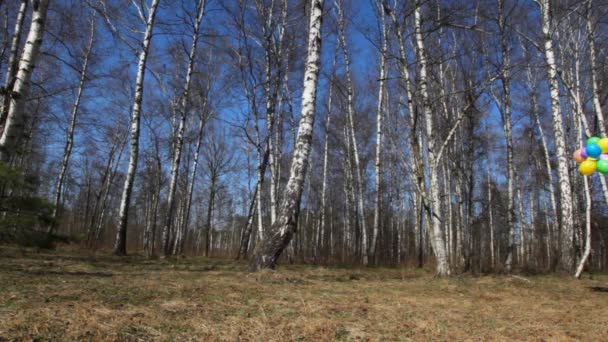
[593, 150]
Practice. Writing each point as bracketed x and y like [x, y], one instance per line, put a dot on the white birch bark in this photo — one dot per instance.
[437, 234]
[567, 229]
[326, 158]
[507, 127]
[107, 184]
[16, 117]
[271, 89]
[522, 228]
[588, 203]
[120, 246]
[353, 137]
[546, 154]
[379, 133]
[597, 106]
[349, 192]
[67, 151]
[261, 170]
[280, 233]
[587, 250]
[12, 62]
[417, 177]
[184, 108]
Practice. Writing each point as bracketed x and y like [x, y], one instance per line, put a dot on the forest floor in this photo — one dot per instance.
[74, 296]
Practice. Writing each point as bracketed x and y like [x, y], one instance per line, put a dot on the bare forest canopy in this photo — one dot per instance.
[373, 132]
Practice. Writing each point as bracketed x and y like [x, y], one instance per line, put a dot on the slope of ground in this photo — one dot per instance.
[72, 296]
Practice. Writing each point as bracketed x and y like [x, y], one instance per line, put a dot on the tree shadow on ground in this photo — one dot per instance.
[598, 289]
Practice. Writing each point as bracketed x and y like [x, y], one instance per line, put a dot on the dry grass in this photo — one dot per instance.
[71, 296]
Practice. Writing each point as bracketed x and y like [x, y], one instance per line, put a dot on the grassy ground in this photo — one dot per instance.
[71, 296]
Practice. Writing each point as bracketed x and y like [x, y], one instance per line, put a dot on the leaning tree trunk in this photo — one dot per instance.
[120, 247]
[177, 152]
[379, 116]
[437, 236]
[588, 202]
[281, 231]
[567, 225]
[16, 117]
[70, 138]
[12, 63]
[587, 250]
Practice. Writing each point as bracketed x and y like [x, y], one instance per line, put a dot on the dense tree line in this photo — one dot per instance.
[372, 132]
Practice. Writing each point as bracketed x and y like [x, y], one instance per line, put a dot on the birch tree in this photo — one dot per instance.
[597, 105]
[379, 132]
[567, 224]
[352, 132]
[12, 63]
[120, 246]
[72, 125]
[282, 230]
[179, 141]
[437, 234]
[16, 116]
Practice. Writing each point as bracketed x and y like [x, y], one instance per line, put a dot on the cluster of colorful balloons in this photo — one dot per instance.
[593, 157]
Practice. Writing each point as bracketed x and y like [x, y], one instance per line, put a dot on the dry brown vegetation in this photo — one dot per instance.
[74, 296]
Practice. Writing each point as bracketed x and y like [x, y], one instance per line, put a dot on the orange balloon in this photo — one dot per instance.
[578, 157]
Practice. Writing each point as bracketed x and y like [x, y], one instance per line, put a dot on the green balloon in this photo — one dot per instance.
[602, 167]
[592, 140]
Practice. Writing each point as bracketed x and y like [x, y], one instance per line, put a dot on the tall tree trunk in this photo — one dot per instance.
[379, 133]
[16, 117]
[567, 229]
[113, 168]
[249, 223]
[199, 142]
[271, 90]
[417, 176]
[13, 62]
[177, 152]
[349, 196]
[281, 231]
[507, 126]
[246, 234]
[325, 160]
[437, 234]
[546, 154]
[208, 226]
[588, 203]
[597, 106]
[491, 222]
[67, 151]
[353, 138]
[120, 246]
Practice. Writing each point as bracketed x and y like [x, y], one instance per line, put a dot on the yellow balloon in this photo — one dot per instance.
[603, 145]
[587, 167]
